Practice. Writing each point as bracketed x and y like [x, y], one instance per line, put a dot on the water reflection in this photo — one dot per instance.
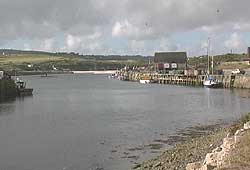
[244, 93]
[7, 106]
[6, 100]
[22, 98]
[13, 105]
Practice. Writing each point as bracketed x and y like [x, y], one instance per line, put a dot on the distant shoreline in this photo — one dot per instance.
[24, 73]
[95, 72]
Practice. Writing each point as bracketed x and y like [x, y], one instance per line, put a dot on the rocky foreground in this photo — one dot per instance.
[213, 151]
[221, 157]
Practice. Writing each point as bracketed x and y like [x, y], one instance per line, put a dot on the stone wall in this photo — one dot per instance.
[7, 89]
[242, 82]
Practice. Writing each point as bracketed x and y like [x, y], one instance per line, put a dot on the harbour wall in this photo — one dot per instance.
[242, 82]
[7, 89]
[227, 81]
[95, 72]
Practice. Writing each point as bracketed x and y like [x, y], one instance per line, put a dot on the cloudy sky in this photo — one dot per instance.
[125, 26]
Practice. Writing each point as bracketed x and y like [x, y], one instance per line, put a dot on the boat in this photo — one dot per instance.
[113, 76]
[145, 80]
[211, 82]
[21, 88]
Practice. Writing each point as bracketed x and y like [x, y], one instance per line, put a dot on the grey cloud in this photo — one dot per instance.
[43, 19]
[168, 16]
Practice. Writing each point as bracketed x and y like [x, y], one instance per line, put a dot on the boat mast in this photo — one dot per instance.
[208, 58]
[212, 64]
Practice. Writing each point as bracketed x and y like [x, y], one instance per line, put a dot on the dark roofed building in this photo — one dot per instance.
[170, 57]
[175, 60]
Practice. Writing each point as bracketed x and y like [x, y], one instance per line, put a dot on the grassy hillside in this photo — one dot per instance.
[42, 61]
[19, 60]
[220, 61]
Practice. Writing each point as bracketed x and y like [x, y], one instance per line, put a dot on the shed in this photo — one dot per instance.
[178, 58]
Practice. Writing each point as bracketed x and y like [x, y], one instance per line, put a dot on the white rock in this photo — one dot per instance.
[207, 167]
[247, 126]
[194, 166]
[229, 135]
[237, 139]
[211, 159]
[218, 149]
[228, 143]
[221, 157]
[237, 132]
[238, 135]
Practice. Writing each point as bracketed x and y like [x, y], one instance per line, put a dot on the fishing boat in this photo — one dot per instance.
[145, 80]
[211, 82]
[21, 88]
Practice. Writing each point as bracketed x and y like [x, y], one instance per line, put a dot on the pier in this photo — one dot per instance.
[227, 81]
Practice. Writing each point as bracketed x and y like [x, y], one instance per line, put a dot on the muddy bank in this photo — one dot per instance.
[194, 143]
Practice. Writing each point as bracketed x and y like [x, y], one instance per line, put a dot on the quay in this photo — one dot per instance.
[227, 81]
[11, 88]
[173, 68]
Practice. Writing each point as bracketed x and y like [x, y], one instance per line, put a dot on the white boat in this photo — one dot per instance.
[210, 82]
[144, 81]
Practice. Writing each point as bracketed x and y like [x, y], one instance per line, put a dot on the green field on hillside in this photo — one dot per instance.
[18, 59]
[225, 61]
[43, 62]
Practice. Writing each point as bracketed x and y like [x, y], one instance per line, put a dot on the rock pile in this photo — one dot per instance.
[216, 159]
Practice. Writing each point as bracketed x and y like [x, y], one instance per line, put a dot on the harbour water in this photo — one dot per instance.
[90, 122]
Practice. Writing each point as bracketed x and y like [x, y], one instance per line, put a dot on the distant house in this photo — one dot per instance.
[171, 60]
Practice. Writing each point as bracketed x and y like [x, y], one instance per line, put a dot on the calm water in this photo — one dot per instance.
[85, 122]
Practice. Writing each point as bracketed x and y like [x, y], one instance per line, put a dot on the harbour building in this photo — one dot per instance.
[170, 61]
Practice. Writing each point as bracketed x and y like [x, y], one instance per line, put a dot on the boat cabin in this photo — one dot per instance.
[20, 84]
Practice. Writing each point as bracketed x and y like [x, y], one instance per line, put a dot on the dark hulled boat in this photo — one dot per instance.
[22, 90]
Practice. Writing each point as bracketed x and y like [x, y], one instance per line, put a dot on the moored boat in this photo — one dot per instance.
[113, 76]
[21, 88]
[211, 82]
[145, 80]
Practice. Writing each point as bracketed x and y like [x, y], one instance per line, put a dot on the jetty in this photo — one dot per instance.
[95, 72]
[172, 68]
[227, 81]
[10, 87]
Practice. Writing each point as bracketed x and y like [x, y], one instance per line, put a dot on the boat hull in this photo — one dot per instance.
[211, 84]
[25, 92]
[144, 81]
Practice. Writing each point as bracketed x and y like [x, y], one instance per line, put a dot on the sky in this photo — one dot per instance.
[126, 27]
